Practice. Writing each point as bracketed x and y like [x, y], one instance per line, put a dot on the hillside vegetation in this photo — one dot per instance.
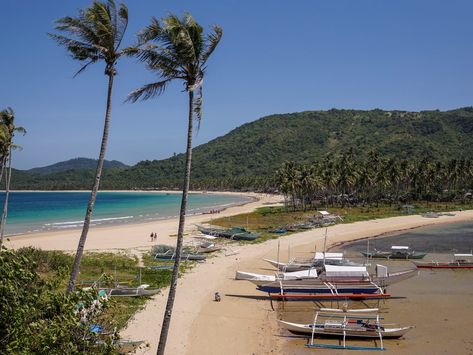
[258, 148]
[76, 164]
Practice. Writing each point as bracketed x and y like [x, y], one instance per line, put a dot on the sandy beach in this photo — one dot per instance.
[236, 325]
[132, 236]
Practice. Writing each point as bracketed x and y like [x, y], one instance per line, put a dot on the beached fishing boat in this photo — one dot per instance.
[459, 261]
[167, 252]
[142, 290]
[171, 255]
[207, 247]
[161, 267]
[258, 279]
[316, 262]
[329, 296]
[338, 280]
[343, 323]
[317, 286]
[235, 233]
[396, 252]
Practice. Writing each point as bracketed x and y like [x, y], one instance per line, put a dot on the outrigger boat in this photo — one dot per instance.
[460, 261]
[396, 252]
[207, 247]
[318, 261]
[235, 233]
[257, 279]
[344, 323]
[171, 255]
[338, 280]
[141, 290]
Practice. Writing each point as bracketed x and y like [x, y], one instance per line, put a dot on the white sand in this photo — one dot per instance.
[236, 325]
[239, 325]
[128, 236]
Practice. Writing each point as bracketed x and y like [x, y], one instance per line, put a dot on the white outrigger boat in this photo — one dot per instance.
[258, 279]
[318, 261]
[345, 323]
[334, 279]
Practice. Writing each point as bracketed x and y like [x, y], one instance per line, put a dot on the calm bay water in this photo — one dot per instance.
[438, 302]
[444, 238]
[44, 211]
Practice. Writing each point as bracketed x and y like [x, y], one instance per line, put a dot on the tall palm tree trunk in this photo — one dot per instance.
[95, 187]
[180, 232]
[5, 203]
[2, 170]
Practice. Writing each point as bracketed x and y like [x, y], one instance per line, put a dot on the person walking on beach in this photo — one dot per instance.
[155, 236]
[152, 236]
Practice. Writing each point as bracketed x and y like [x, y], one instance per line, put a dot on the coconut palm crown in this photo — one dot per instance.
[95, 34]
[7, 132]
[176, 49]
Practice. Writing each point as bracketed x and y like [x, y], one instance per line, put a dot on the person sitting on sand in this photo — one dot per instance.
[217, 297]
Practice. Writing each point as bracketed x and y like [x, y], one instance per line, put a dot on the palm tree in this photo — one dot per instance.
[94, 36]
[7, 132]
[180, 52]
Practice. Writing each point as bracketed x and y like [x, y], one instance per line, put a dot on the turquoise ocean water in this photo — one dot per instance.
[47, 211]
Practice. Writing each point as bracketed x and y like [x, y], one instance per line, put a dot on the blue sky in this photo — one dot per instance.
[276, 56]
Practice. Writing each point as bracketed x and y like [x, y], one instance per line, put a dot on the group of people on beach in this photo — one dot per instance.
[213, 211]
[153, 237]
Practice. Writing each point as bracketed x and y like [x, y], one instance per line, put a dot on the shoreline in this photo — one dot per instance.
[236, 317]
[123, 220]
[135, 235]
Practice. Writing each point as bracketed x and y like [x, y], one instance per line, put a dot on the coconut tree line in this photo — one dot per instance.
[346, 180]
[8, 129]
[172, 49]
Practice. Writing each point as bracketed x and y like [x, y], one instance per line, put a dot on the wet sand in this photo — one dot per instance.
[439, 303]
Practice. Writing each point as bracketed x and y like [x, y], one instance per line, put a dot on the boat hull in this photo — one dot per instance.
[192, 257]
[443, 265]
[394, 256]
[318, 287]
[131, 292]
[354, 332]
[335, 285]
[234, 233]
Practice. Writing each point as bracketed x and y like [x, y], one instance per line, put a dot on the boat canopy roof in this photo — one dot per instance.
[332, 256]
[399, 247]
[324, 213]
[462, 255]
[353, 271]
[300, 274]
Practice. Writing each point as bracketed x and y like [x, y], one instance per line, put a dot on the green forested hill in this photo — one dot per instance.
[258, 148]
[76, 164]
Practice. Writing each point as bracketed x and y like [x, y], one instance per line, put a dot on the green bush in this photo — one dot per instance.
[36, 318]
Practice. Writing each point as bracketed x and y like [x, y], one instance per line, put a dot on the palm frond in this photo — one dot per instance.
[211, 42]
[20, 129]
[84, 67]
[95, 34]
[121, 26]
[79, 50]
[150, 32]
[161, 61]
[148, 91]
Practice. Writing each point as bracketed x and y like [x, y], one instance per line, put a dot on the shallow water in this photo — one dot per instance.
[439, 303]
[45, 211]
